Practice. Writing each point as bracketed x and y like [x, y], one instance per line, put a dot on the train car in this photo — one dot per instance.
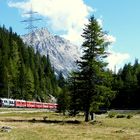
[4, 102]
[30, 104]
[20, 103]
[11, 103]
[38, 105]
[51, 106]
[46, 105]
[55, 106]
[1, 102]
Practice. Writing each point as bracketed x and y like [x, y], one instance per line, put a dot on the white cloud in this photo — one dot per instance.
[109, 38]
[67, 16]
[74, 36]
[116, 59]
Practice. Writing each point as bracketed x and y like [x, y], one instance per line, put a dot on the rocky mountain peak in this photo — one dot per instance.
[63, 54]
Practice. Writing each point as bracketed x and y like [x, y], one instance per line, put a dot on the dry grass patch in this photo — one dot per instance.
[103, 129]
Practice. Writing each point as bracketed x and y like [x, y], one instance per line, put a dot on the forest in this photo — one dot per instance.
[25, 74]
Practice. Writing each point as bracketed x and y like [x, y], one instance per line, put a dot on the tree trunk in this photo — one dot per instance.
[73, 114]
[64, 113]
[87, 116]
[92, 115]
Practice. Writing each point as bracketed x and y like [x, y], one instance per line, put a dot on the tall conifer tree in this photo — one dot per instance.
[92, 76]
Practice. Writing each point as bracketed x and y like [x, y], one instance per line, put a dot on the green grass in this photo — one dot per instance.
[102, 129]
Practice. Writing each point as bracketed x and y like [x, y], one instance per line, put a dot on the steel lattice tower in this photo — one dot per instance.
[30, 24]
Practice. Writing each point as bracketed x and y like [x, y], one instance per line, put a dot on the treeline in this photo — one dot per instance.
[24, 74]
[119, 91]
[127, 84]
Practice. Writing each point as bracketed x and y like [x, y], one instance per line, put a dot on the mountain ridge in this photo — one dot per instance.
[63, 54]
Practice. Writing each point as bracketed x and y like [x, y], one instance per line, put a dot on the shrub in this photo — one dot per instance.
[129, 116]
[45, 118]
[33, 120]
[111, 114]
[120, 116]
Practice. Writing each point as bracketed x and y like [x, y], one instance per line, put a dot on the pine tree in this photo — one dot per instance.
[74, 99]
[61, 80]
[14, 62]
[29, 85]
[92, 75]
[21, 81]
[4, 52]
[63, 98]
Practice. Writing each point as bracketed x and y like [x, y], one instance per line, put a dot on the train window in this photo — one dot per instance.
[11, 102]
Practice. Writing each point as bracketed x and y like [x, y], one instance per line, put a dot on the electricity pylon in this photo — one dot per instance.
[30, 24]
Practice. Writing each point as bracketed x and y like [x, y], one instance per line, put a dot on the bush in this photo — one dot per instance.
[33, 120]
[120, 116]
[45, 118]
[111, 114]
[129, 116]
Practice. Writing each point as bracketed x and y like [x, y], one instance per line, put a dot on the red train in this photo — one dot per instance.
[5, 102]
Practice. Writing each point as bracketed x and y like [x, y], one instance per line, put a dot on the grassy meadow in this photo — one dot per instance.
[54, 126]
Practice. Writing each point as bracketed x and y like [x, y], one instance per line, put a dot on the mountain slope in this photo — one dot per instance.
[62, 53]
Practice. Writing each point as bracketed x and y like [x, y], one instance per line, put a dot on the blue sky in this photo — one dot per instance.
[121, 18]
